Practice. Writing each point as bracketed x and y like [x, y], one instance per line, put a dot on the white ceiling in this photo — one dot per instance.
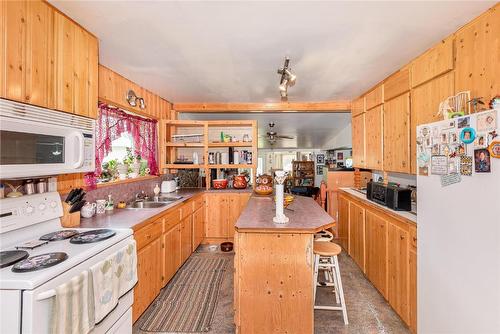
[229, 51]
[310, 130]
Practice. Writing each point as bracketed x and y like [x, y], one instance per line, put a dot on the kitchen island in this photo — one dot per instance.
[273, 282]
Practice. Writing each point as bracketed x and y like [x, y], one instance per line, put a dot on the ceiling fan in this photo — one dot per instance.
[272, 136]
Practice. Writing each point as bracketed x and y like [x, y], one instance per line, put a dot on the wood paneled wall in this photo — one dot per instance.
[113, 89]
[469, 59]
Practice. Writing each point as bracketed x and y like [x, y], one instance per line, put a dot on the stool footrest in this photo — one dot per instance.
[330, 308]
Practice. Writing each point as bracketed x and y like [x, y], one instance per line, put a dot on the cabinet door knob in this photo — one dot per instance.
[402, 237]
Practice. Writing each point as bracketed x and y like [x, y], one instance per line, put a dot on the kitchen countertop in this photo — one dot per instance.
[404, 214]
[137, 218]
[307, 216]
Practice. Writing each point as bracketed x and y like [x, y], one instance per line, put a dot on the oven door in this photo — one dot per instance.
[31, 149]
[37, 309]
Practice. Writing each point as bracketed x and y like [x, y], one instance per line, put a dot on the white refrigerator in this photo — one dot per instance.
[458, 220]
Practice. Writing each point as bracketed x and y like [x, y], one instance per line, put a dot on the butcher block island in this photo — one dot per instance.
[273, 282]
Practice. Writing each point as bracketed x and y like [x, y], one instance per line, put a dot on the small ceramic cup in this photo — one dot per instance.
[100, 206]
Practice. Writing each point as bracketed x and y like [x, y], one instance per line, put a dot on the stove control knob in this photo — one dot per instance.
[41, 206]
[53, 204]
[30, 209]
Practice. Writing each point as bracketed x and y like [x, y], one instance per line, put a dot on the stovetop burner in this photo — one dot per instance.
[92, 236]
[59, 235]
[8, 258]
[39, 262]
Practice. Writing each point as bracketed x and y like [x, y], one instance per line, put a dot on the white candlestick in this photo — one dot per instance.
[279, 196]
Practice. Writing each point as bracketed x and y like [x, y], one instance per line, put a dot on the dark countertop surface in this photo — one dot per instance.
[307, 216]
[135, 218]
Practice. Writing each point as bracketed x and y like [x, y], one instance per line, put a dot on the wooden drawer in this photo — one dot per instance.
[198, 202]
[149, 233]
[171, 219]
[186, 209]
[413, 237]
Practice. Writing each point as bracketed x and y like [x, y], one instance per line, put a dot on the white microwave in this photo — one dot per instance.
[36, 141]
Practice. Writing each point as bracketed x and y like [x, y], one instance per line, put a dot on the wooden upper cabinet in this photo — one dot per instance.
[433, 62]
[375, 97]
[425, 101]
[358, 140]
[373, 138]
[477, 64]
[47, 59]
[358, 106]
[397, 84]
[397, 134]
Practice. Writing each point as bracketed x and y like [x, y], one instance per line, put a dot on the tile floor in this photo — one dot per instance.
[367, 310]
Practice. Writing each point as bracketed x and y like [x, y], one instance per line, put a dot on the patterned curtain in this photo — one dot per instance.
[110, 125]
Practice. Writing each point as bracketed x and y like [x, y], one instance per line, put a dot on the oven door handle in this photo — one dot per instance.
[81, 150]
[45, 295]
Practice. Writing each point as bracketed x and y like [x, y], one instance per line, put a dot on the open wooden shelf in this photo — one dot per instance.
[170, 144]
[231, 144]
[209, 130]
[228, 166]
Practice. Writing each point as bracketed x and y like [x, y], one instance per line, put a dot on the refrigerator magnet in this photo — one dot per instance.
[494, 149]
[463, 122]
[482, 163]
[439, 165]
[487, 121]
[467, 135]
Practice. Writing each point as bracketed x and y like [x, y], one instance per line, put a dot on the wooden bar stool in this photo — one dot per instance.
[325, 257]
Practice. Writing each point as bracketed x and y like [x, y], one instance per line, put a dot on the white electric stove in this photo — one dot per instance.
[32, 268]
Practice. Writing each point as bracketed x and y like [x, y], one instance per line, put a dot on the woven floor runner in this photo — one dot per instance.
[188, 303]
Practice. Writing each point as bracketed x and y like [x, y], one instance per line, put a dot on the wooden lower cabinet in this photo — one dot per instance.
[376, 251]
[357, 234]
[343, 222]
[186, 238]
[398, 265]
[223, 210]
[171, 253]
[389, 245]
[149, 275]
[198, 227]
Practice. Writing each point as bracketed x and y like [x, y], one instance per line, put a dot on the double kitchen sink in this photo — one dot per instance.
[145, 204]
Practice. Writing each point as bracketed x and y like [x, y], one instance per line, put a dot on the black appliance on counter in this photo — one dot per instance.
[393, 197]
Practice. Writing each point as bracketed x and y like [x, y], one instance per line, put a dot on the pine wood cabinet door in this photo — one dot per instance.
[186, 238]
[413, 291]
[343, 223]
[376, 251]
[171, 246]
[373, 138]
[234, 213]
[217, 215]
[64, 31]
[397, 134]
[13, 53]
[149, 277]
[198, 227]
[398, 282]
[358, 140]
[357, 234]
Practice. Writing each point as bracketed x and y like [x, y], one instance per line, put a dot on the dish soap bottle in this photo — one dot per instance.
[109, 204]
[156, 191]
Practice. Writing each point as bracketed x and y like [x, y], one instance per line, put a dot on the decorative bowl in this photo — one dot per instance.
[219, 183]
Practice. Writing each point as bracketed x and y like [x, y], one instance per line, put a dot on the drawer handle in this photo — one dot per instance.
[402, 237]
[414, 239]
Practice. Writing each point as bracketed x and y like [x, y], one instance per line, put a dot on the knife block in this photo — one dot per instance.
[69, 219]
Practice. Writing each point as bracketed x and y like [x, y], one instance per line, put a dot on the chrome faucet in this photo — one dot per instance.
[141, 196]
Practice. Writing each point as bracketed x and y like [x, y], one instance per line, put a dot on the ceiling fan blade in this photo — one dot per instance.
[285, 137]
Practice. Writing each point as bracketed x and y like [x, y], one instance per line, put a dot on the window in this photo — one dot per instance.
[287, 160]
[119, 148]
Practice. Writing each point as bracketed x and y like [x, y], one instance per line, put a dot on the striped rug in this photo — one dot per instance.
[187, 304]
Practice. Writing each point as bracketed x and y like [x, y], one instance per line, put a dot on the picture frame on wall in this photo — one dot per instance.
[320, 159]
[319, 170]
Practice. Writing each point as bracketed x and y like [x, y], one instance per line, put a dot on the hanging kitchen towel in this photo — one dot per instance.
[106, 287]
[126, 267]
[73, 309]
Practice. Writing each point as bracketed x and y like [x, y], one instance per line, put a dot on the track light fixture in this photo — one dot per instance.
[287, 79]
[133, 100]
